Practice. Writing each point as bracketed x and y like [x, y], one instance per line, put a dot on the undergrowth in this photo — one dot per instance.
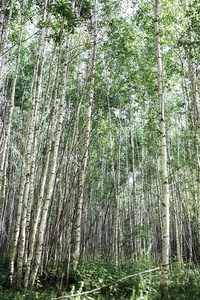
[95, 273]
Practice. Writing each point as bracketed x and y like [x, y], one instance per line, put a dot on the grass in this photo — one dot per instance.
[94, 273]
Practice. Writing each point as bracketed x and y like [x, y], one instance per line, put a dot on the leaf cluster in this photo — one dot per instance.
[98, 272]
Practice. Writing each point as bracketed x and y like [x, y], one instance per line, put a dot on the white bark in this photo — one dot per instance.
[52, 176]
[4, 47]
[79, 208]
[135, 204]
[7, 133]
[130, 210]
[6, 141]
[117, 204]
[165, 186]
[2, 19]
[31, 156]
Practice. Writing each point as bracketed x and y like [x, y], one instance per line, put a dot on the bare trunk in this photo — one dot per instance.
[6, 141]
[79, 204]
[165, 187]
[52, 174]
[135, 204]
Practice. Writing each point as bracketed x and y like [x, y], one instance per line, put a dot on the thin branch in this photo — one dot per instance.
[104, 286]
[150, 3]
[22, 42]
[144, 11]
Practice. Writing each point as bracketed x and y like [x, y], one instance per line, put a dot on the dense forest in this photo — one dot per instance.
[99, 149]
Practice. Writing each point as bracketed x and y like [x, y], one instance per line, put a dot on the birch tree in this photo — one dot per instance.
[52, 178]
[165, 200]
[13, 252]
[79, 205]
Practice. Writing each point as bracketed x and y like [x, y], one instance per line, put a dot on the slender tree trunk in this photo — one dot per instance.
[117, 204]
[27, 186]
[2, 20]
[178, 232]
[135, 204]
[130, 210]
[165, 187]
[6, 141]
[195, 114]
[4, 47]
[7, 133]
[79, 207]
[52, 175]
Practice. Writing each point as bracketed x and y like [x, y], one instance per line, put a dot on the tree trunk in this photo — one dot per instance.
[135, 204]
[165, 187]
[79, 204]
[6, 141]
[52, 175]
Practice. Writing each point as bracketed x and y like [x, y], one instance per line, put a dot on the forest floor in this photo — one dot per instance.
[93, 274]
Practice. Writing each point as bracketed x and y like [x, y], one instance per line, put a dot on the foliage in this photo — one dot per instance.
[122, 90]
[7, 294]
[99, 272]
[94, 273]
[184, 284]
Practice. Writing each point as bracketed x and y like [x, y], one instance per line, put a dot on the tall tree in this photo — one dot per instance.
[165, 186]
[85, 155]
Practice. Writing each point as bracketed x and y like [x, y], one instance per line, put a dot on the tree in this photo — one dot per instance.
[81, 166]
[165, 187]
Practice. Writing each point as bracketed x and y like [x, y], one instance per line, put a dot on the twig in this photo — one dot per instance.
[22, 41]
[109, 284]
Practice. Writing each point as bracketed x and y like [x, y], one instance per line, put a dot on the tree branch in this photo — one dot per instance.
[104, 286]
